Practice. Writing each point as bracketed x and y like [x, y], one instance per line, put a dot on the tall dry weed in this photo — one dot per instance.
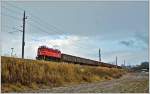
[27, 72]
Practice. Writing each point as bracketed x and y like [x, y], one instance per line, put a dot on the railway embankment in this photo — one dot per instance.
[18, 74]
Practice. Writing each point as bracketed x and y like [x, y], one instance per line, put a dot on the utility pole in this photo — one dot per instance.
[12, 51]
[99, 55]
[23, 36]
[124, 62]
[116, 60]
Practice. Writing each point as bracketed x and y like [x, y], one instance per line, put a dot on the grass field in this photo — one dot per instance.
[19, 74]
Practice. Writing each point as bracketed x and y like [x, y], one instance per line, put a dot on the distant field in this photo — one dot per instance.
[21, 74]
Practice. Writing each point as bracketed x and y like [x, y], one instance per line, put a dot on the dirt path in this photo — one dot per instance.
[130, 83]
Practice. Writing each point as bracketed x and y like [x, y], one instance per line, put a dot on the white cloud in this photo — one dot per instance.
[66, 44]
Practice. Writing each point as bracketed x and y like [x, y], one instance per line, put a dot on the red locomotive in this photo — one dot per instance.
[48, 53]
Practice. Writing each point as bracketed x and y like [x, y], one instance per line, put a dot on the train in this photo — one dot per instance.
[50, 54]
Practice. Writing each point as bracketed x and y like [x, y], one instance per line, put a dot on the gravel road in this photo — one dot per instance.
[130, 83]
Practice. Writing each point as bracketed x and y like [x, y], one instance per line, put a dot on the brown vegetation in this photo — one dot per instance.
[34, 72]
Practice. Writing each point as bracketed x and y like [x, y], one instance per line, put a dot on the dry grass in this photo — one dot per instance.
[33, 72]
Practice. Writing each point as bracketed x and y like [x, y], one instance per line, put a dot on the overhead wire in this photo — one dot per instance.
[38, 19]
[10, 10]
[23, 10]
[18, 8]
[36, 27]
[47, 25]
[30, 24]
[48, 28]
[4, 14]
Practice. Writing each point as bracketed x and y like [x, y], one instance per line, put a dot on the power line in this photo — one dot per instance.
[30, 13]
[11, 28]
[19, 9]
[13, 17]
[48, 28]
[10, 10]
[50, 33]
[39, 19]
[35, 17]
[46, 24]
[55, 28]
[23, 42]
[40, 27]
[30, 24]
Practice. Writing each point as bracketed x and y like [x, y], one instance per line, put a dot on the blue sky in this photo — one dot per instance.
[79, 28]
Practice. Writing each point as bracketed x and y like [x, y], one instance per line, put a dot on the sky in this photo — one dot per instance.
[78, 28]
